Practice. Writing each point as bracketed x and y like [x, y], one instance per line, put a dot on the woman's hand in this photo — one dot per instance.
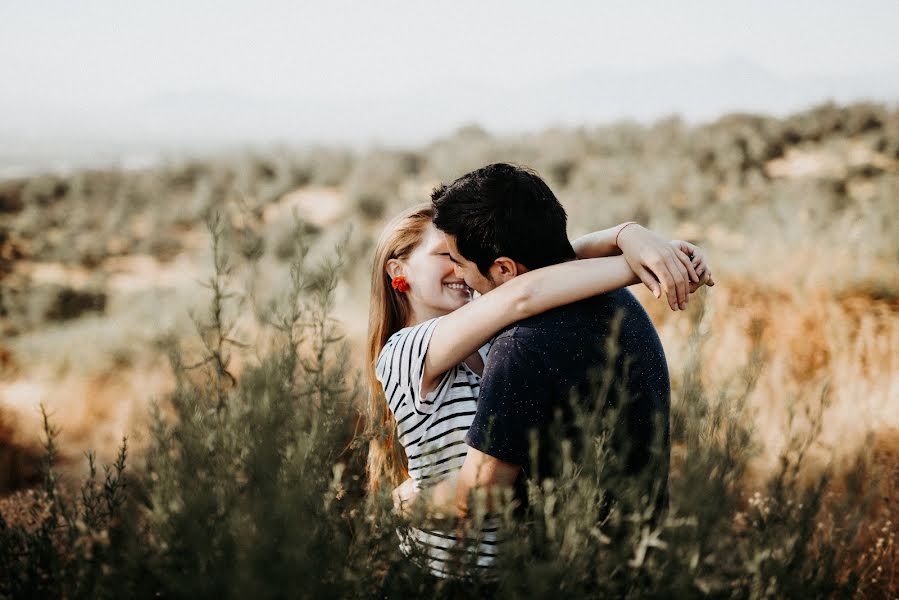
[699, 262]
[404, 496]
[660, 265]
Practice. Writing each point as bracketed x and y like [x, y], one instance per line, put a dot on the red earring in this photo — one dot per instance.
[400, 284]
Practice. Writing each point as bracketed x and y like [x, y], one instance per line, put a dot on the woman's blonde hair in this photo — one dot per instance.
[388, 312]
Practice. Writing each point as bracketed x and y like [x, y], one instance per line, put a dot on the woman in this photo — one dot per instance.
[427, 346]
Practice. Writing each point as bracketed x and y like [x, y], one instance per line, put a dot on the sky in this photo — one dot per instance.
[406, 71]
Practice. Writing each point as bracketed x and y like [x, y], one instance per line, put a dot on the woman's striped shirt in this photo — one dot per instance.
[432, 430]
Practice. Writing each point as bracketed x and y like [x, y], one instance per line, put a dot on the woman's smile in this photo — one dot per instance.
[459, 287]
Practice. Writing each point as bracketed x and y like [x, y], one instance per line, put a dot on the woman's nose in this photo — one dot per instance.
[457, 270]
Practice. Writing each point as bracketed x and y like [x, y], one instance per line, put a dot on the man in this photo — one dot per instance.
[597, 363]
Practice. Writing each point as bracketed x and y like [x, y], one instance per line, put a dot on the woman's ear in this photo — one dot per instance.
[394, 268]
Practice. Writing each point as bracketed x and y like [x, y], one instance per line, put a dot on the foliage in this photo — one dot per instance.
[252, 483]
[253, 486]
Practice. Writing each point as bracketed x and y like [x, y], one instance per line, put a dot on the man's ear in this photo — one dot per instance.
[394, 268]
[503, 269]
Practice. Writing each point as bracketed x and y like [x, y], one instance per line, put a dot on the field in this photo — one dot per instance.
[182, 305]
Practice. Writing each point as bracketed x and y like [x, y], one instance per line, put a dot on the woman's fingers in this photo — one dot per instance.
[685, 260]
[695, 259]
[668, 286]
[706, 273]
[650, 282]
[681, 280]
[675, 273]
[706, 276]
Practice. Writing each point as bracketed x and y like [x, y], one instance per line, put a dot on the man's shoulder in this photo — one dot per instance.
[575, 316]
[574, 333]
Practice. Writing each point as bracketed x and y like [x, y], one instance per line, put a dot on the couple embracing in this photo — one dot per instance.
[488, 333]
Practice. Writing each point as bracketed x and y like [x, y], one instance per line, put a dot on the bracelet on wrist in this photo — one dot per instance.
[621, 228]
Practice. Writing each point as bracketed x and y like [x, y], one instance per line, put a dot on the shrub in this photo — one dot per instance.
[44, 190]
[57, 547]
[11, 193]
[374, 183]
[252, 478]
[70, 303]
[251, 487]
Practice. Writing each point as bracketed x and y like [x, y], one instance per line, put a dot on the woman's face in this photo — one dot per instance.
[434, 287]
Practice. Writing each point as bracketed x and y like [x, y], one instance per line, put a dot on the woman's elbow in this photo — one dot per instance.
[524, 305]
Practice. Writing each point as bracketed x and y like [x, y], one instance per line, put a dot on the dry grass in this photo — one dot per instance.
[802, 242]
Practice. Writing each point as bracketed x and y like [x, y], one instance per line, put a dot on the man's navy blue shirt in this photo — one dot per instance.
[600, 353]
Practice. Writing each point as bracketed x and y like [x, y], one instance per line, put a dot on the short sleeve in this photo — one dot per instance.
[401, 366]
[511, 402]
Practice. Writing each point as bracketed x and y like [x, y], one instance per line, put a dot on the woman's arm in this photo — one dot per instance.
[661, 266]
[460, 333]
[597, 244]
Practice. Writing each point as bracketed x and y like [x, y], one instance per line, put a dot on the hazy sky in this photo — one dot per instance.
[67, 59]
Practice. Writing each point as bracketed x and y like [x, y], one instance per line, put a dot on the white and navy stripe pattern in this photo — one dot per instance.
[432, 431]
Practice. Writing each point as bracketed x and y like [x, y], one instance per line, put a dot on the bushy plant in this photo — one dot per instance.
[253, 486]
[252, 479]
[716, 539]
[58, 547]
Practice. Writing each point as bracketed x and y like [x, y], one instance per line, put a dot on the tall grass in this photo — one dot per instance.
[250, 481]
[252, 486]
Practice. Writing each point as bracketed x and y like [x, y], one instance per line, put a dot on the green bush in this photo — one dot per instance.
[373, 186]
[253, 483]
[253, 486]
[63, 548]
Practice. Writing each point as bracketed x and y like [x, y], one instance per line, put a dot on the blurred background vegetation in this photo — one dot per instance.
[230, 295]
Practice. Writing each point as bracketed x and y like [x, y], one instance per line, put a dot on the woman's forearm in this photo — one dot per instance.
[597, 244]
[463, 331]
[557, 285]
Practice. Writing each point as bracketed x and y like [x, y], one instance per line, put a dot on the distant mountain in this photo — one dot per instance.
[208, 119]
[696, 93]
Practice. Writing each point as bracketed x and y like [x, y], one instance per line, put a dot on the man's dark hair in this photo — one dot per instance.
[503, 210]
